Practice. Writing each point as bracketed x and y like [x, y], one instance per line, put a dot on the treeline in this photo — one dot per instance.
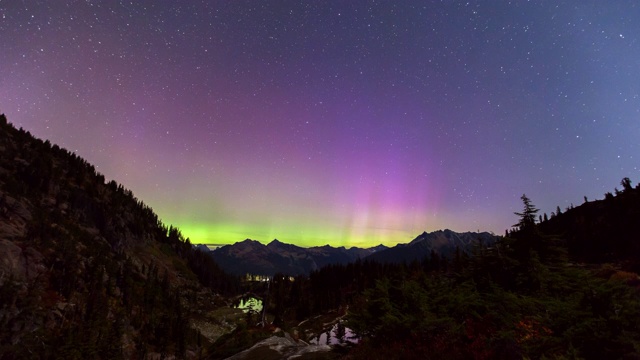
[337, 286]
[522, 297]
[604, 230]
[599, 231]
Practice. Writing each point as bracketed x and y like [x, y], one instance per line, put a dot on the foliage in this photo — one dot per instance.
[517, 299]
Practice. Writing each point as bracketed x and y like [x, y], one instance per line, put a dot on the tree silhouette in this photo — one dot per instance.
[527, 216]
[626, 184]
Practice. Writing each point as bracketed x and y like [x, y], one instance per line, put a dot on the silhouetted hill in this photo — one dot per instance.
[442, 242]
[86, 269]
[250, 256]
[606, 230]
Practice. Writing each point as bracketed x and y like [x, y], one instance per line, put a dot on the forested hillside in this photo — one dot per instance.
[87, 270]
[523, 297]
[600, 231]
[526, 296]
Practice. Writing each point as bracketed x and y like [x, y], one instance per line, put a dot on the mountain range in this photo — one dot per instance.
[253, 257]
[442, 242]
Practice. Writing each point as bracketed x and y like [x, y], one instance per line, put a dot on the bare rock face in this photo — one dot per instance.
[14, 216]
[21, 271]
[10, 262]
[19, 264]
[284, 347]
[16, 263]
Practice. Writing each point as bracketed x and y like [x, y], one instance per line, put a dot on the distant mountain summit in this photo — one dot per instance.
[443, 242]
[253, 257]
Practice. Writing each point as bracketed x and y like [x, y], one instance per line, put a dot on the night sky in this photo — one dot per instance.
[339, 122]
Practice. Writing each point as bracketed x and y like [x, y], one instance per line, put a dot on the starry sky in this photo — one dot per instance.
[333, 122]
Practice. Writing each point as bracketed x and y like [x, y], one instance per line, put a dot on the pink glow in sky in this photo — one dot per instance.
[340, 122]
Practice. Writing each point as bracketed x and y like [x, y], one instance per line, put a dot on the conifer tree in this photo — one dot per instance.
[626, 184]
[527, 216]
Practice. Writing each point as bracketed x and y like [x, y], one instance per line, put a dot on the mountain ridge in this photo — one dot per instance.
[442, 242]
[254, 257]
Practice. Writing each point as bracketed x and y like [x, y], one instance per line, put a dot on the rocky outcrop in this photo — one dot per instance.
[19, 264]
[284, 347]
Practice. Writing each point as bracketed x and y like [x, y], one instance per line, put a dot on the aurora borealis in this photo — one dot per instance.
[339, 122]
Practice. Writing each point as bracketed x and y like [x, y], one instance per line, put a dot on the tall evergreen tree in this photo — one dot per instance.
[626, 184]
[527, 216]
